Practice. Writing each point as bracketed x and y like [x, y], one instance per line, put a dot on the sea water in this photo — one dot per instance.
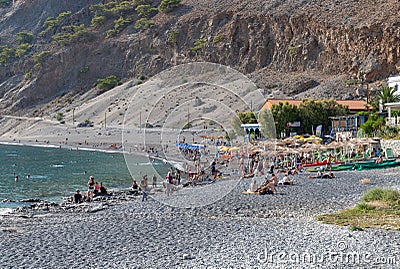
[52, 174]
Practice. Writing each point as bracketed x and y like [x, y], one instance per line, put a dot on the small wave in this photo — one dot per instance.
[37, 177]
[5, 211]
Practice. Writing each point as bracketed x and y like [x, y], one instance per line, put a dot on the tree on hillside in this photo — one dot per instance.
[107, 83]
[168, 5]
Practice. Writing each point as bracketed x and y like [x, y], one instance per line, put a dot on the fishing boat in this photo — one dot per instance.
[360, 165]
[374, 165]
[320, 163]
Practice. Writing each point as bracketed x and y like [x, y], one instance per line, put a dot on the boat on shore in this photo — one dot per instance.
[320, 163]
[360, 165]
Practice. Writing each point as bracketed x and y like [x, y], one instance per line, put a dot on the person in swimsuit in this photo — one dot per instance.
[91, 183]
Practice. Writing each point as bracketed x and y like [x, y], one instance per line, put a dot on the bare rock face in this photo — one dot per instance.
[290, 49]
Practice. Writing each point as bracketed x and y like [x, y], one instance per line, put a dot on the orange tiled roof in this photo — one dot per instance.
[354, 105]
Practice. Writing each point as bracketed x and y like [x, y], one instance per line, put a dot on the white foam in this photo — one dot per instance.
[5, 211]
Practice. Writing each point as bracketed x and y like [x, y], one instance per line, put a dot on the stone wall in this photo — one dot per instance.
[393, 144]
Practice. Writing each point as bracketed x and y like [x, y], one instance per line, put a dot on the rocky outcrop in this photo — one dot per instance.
[289, 49]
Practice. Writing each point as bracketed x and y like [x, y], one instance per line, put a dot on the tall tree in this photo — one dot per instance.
[284, 113]
[387, 95]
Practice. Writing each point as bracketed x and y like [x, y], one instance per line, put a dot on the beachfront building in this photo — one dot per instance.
[346, 127]
[252, 132]
[392, 120]
[353, 105]
[343, 127]
[394, 82]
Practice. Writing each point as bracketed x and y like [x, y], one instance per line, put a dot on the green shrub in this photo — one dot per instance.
[187, 126]
[51, 22]
[364, 207]
[107, 83]
[392, 197]
[97, 20]
[292, 50]
[121, 23]
[198, 44]
[40, 57]
[74, 33]
[6, 54]
[172, 36]
[28, 75]
[146, 11]
[22, 49]
[168, 5]
[356, 228]
[110, 33]
[60, 116]
[218, 38]
[24, 37]
[143, 23]
[353, 81]
[84, 70]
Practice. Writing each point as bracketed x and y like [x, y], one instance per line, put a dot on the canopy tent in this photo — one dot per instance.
[189, 146]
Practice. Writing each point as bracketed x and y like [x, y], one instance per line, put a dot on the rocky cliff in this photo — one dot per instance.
[289, 48]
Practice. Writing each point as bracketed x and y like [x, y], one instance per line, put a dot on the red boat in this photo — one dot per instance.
[320, 163]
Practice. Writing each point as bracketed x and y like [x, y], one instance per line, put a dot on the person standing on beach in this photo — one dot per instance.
[168, 184]
[143, 187]
[96, 188]
[178, 176]
[90, 185]
[154, 181]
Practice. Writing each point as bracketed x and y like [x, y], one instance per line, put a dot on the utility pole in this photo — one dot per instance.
[188, 119]
[140, 121]
[73, 116]
[105, 119]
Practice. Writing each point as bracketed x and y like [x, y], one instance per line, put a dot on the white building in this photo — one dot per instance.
[394, 82]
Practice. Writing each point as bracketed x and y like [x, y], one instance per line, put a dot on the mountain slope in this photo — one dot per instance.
[288, 48]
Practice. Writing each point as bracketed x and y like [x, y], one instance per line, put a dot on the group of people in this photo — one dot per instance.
[94, 189]
[143, 187]
[270, 184]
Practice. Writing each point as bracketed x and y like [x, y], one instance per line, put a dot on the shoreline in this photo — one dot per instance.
[236, 230]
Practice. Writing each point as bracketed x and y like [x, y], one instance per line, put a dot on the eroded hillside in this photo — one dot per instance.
[288, 48]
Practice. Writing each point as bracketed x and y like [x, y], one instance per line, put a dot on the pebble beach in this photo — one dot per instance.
[235, 231]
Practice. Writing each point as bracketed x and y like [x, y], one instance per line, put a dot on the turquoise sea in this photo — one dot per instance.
[52, 173]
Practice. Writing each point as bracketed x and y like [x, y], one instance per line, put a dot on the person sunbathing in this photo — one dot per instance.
[328, 175]
[266, 189]
[318, 175]
[253, 186]
[286, 180]
[274, 179]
